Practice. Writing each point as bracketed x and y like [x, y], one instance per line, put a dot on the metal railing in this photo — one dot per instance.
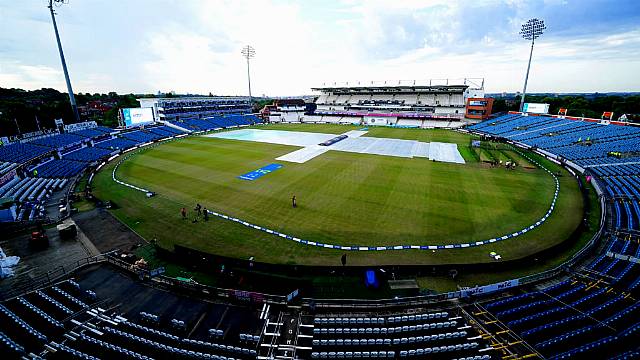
[51, 277]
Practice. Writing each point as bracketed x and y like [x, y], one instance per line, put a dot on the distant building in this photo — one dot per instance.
[479, 108]
[287, 110]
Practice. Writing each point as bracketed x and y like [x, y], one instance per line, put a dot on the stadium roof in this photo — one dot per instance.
[396, 88]
[431, 85]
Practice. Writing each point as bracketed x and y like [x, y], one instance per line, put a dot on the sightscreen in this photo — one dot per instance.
[137, 116]
[536, 108]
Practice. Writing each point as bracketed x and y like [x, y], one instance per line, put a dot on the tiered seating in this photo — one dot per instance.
[89, 133]
[102, 349]
[19, 330]
[104, 129]
[30, 321]
[19, 152]
[165, 131]
[59, 140]
[586, 143]
[6, 188]
[10, 348]
[243, 119]
[583, 318]
[79, 304]
[221, 122]
[435, 335]
[201, 124]
[87, 154]
[116, 144]
[173, 346]
[65, 352]
[6, 166]
[44, 317]
[141, 136]
[30, 194]
[60, 168]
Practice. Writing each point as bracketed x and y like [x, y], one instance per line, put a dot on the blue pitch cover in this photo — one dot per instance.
[256, 174]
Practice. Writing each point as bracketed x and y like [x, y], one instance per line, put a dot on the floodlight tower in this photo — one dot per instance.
[531, 30]
[248, 52]
[72, 98]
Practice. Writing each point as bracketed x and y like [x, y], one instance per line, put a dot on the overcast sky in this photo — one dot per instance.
[193, 46]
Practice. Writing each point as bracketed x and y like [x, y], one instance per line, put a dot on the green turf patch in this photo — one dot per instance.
[542, 263]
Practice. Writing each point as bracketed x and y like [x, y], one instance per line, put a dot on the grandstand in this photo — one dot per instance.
[592, 312]
[21, 152]
[173, 109]
[58, 140]
[215, 122]
[286, 110]
[87, 154]
[433, 103]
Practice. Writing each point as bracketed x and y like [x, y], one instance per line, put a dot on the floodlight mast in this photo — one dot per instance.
[531, 30]
[72, 98]
[248, 52]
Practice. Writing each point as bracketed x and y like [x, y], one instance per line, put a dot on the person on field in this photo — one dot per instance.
[293, 202]
[197, 210]
[205, 214]
[183, 212]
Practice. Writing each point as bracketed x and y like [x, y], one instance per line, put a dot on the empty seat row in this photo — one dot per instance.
[58, 140]
[216, 333]
[54, 302]
[249, 337]
[113, 348]
[116, 144]
[8, 314]
[21, 152]
[353, 354]
[379, 320]
[42, 314]
[179, 351]
[8, 346]
[386, 330]
[150, 331]
[477, 357]
[65, 351]
[69, 297]
[395, 341]
[87, 154]
[438, 349]
[209, 346]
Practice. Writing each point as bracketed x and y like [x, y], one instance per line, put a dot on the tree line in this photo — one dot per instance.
[577, 105]
[27, 108]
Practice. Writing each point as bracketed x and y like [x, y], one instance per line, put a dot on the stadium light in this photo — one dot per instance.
[531, 30]
[248, 52]
[72, 98]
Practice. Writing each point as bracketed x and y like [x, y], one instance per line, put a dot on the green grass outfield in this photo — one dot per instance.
[343, 198]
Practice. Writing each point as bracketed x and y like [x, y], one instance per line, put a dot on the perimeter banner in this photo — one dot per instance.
[489, 288]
